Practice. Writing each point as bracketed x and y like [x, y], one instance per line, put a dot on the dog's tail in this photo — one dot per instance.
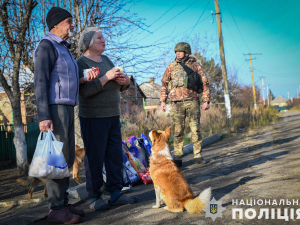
[24, 181]
[197, 204]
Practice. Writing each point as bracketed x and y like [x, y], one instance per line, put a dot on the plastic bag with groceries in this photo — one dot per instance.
[48, 160]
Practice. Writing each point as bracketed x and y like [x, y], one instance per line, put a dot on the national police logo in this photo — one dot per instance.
[213, 209]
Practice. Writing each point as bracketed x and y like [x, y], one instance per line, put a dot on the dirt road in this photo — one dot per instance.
[262, 165]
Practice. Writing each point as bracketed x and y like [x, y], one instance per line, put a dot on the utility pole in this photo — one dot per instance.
[253, 85]
[288, 95]
[222, 54]
[268, 94]
[263, 88]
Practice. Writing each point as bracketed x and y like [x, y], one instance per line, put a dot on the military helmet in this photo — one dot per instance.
[183, 47]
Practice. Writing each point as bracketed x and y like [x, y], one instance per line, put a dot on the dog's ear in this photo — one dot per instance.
[154, 135]
[168, 132]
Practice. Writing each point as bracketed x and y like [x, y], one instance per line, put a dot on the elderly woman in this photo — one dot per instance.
[99, 113]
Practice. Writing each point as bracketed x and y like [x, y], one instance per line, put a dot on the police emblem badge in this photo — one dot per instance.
[213, 209]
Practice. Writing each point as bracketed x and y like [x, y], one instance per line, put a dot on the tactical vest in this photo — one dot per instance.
[178, 78]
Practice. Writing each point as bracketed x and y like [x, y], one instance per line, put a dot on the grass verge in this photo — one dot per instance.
[212, 121]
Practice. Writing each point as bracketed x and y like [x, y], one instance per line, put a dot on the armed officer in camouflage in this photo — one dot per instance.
[185, 102]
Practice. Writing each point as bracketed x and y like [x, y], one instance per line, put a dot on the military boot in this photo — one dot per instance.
[200, 160]
[178, 161]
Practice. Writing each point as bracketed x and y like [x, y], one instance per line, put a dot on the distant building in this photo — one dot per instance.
[28, 103]
[296, 101]
[280, 101]
[132, 99]
[152, 92]
[28, 110]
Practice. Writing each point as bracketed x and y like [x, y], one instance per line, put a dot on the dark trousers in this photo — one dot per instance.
[103, 143]
[63, 129]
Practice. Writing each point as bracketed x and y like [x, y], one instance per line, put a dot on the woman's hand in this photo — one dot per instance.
[91, 75]
[123, 80]
[113, 73]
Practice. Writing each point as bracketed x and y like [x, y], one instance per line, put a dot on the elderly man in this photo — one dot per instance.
[185, 101]
[56, 84]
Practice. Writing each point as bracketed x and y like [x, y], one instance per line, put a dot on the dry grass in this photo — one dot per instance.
[212, 121]
[296, 108]
[137, 124]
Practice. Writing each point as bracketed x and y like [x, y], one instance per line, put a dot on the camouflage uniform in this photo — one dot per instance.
[180, 110]
[185, 103]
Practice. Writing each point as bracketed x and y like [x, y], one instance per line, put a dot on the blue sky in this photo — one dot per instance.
[270, 27]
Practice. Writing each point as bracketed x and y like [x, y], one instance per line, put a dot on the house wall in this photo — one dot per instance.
[131, 100]
[296, 101]
[279, 104]
[152, 91]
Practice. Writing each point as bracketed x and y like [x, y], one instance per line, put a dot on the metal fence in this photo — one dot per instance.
[7, 147]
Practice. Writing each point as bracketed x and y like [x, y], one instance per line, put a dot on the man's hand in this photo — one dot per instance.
[163, 106]
[45, 125]
[205, 106]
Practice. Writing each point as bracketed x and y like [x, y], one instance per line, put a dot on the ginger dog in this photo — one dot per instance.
[34, 181]
[169, 184]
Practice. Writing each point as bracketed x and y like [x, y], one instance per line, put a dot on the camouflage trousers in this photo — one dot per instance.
[191, 110]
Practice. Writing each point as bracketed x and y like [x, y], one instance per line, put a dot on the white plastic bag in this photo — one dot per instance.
[48, 160]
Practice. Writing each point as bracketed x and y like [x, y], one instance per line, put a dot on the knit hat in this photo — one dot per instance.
[86, 37]
[55, 16]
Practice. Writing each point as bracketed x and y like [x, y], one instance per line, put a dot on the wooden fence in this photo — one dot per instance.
[7, 147]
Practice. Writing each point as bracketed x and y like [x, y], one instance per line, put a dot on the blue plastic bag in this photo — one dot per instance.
[133, 149]
[147, 143]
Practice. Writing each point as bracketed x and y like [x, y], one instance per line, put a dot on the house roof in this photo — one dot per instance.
[279, 99]
[132, 79]
[152, 92]
[150, 89]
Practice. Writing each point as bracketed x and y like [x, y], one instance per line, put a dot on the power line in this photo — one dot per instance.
[259, 66]
[241, 65]
[199, 17]
[159, 18]
[232, 36]
[165, 13]
[193, 26]
[237, 26]
[176, 15]
[296, 74]
[171, 18]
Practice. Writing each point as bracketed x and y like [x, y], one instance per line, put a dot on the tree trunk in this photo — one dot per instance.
[19, 139]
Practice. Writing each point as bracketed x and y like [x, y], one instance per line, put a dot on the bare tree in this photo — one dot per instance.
[117, 23]
[245, 96]
[14, 25]
[22, 25]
